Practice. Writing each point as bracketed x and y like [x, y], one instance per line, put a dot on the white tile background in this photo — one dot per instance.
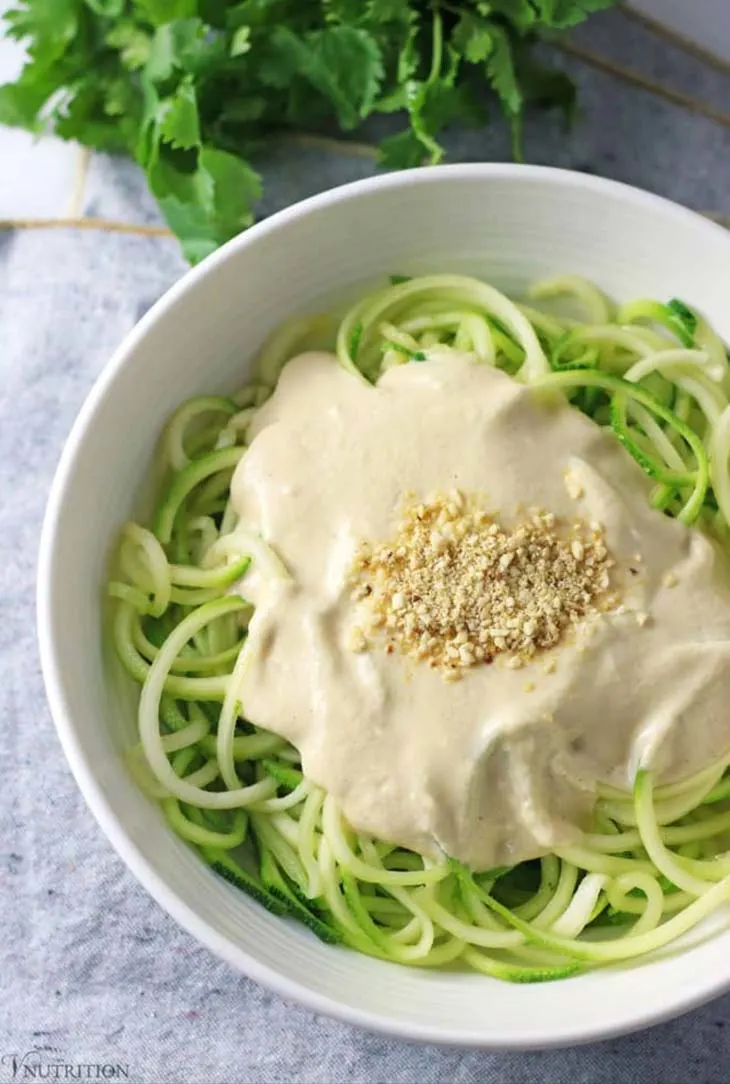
[36, 175]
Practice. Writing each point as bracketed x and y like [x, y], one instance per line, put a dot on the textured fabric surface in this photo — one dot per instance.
[91, 970]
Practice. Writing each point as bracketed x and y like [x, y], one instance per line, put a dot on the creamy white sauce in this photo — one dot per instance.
[484, 769]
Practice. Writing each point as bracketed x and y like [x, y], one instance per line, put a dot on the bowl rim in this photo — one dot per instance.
[82, 769]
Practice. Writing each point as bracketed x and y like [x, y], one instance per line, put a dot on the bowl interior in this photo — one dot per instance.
[509, 225]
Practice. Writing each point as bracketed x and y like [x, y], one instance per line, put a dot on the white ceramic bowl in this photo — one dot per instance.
[509, 224]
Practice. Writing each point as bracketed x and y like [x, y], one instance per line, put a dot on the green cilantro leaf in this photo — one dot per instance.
[562, 14]
[236, 188]
[109, 9]
[241, 41]
[520, 13]
[191, 219]
[210, 204]
[501, 72]
[177, 122]
[401, 151]
[132, 43]
[22, 101]
[160, 12]
[47, 25]
[343, 63]
[193, 88]
[473, 36]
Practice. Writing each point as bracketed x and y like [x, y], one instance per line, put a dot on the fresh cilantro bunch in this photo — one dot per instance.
[191, 88]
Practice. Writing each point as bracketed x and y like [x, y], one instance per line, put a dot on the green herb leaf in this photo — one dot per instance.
[160, 12]
[401, 151]
[236, 188]
[344, 64]
[132, 43]
[193, 88]
[47, 25]
[473, 36]
[241, 41]
[209, 205]
[562, 14]
[501, 72]
[21, 102]
[520, 13]
[110, 9]
[178, 118]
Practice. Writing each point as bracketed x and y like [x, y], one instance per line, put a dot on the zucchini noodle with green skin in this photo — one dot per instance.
[657, 861]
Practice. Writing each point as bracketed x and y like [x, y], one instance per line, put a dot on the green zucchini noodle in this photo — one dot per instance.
[657, 861]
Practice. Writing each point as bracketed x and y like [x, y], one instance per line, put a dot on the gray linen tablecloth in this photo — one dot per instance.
[91, 970]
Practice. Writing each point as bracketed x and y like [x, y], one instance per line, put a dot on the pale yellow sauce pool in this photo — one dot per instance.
[485, 769]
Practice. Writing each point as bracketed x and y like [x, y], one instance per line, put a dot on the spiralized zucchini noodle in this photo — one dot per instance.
[656, 862]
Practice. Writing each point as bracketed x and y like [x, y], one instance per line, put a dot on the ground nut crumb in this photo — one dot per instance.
[573, 486]
[454, 587]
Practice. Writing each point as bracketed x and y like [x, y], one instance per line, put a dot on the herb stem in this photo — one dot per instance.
[437, 47]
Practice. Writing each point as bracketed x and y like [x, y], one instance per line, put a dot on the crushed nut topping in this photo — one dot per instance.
[454, 588]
